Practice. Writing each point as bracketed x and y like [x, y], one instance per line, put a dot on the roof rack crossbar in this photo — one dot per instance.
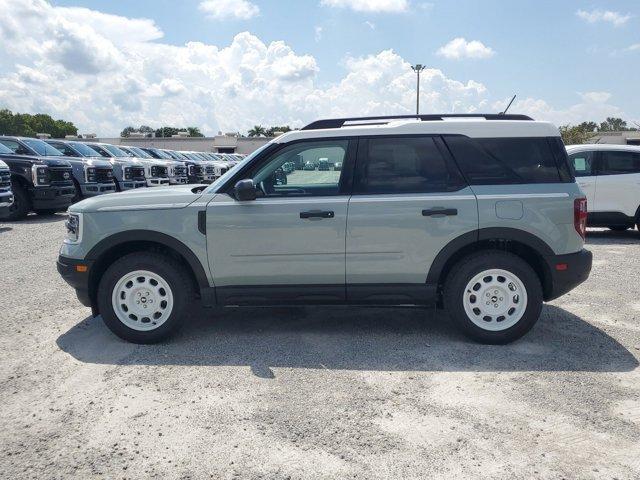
[383, 119]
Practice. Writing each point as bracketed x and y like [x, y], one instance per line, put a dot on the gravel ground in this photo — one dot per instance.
[308, 393]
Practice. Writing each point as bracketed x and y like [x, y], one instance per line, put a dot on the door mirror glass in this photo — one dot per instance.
[245, 190]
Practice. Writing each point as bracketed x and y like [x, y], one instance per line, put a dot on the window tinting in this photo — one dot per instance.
[495, 161]
[617, 163]
[582, 164]
[404, 165]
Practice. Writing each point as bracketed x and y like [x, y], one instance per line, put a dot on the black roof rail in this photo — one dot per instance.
[381, 120]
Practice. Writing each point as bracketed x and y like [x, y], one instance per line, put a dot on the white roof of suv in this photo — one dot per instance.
[603, 146]
[478, 126]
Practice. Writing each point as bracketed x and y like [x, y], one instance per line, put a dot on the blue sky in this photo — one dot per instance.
[568, 61]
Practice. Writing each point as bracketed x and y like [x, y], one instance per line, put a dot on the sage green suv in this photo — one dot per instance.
[479, 215]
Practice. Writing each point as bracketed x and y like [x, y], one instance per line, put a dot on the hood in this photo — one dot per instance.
[90, 161]
[3, 166]
[178, 196]
[55, 161]
[126, 161]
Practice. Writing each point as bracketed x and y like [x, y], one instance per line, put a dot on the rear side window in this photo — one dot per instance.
[582, 164]
[619, 163]
[496, 161]
[404, 165]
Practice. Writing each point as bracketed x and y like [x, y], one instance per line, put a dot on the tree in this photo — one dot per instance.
[271, 131]
[25, 124]
[612, 124]
[127, 131]
[588, 126]
[194, 132]
[257, 131]
[575, 134]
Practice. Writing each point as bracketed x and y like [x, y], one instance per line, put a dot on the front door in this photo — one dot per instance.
[584, 168]
[409, 201]
[288, 244]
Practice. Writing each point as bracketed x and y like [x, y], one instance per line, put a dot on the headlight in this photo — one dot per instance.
[90, 174]
[192, 170]
[127, 173]
[74, 228]
[40, 175]
[154, 171]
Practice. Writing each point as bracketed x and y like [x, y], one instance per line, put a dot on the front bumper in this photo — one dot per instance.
[132, 184]
[6, 200]
[68, 269]
[157, 182]
[53, 196]
[93, 189]
[178, 180]
[567, 272]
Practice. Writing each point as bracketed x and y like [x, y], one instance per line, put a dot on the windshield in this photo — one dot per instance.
[139, 152]
[127, 150]
[4, 149]
[100, 150]
[221, 180]
[83, 150]
[43, 148]
[114, 151]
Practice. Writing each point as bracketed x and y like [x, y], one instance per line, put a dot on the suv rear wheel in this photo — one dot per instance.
[493, 296]
[143, 297]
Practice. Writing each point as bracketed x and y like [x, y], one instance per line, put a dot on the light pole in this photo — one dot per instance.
[418, 68]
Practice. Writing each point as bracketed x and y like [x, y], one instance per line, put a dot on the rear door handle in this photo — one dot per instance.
[317, 214]
[440, 212]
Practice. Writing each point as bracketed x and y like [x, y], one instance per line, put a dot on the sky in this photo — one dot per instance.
[226, 65]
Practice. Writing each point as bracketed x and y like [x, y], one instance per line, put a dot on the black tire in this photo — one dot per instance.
[166, 267]
[78, 196]
[467, 268]
[618, 228]
[21, 203]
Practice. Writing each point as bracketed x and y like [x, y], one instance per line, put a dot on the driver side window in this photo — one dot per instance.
[311, 168]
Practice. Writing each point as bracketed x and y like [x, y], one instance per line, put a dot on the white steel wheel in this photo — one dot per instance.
[495, 300]
[142, 300]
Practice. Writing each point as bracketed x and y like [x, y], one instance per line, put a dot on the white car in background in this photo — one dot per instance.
[609, 175]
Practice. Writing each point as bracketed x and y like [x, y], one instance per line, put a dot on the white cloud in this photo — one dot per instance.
[75, 67]
[372, 6]
[221, 9]
[318, 33]
[371, 25]
[596, 97]
[597, 15]
[460, 48]
[633, 48]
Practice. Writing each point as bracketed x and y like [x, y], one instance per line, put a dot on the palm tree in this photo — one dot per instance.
[257, 131]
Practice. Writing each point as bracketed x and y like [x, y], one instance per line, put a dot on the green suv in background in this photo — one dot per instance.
[479, 215]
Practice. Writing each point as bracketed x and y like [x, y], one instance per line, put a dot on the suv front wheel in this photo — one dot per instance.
[143, 297]
[495, 297]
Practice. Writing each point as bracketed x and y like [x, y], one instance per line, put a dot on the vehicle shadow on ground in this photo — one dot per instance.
[33, 219]
[609, 237]
[385, 339]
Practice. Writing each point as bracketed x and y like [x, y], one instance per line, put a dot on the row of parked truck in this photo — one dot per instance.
[46, 176]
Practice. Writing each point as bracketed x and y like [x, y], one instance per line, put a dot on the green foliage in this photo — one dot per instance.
[260, 131]
[160, 132]
[613, 125]
[27, 125]
[575, 134]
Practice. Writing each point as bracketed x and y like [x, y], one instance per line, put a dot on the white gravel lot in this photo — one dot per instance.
[306, 393]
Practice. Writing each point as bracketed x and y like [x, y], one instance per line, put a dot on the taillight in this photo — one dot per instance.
[580, 216]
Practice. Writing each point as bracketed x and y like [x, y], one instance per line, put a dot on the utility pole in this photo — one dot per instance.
[418, 68]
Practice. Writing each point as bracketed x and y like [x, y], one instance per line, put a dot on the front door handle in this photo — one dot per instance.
[317, 214]
[439, 212]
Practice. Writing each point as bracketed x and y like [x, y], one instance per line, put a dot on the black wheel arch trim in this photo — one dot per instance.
[120, 238]
[476, 236]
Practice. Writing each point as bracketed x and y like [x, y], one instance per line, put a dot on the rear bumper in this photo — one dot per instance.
[567, 272]
[52, 197]
[67, 268]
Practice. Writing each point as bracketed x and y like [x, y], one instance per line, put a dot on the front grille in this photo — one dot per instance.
[180, 171]
[61, 175]
[210, 170]
[159, 172]
[104, 175]
[197, 170]
[5, 180]
[137, 173]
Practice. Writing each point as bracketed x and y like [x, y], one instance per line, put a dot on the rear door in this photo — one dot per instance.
[409, 201]
[618, 182]
[583, 165]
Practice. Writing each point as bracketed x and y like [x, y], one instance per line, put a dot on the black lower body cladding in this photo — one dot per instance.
[567, 272]
[78, 278]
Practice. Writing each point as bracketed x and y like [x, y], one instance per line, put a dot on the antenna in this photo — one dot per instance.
[505, 110]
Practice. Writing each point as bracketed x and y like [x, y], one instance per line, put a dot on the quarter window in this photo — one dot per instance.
[582, 164]
[618, 163]
[496, 161]
[303, 169]
[404, 165]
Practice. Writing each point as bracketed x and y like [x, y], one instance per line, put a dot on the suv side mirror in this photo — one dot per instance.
[245, 190]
